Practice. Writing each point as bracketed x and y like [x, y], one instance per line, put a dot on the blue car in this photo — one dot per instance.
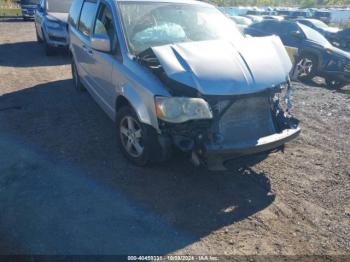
[28, 8]
[327, 31]
[316, 55]
[343, 38]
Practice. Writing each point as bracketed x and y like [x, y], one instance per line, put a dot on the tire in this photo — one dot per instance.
[38, 38]
[76, 78]
[138, 142]
[49, 50]
[306, 67]
[334, 84]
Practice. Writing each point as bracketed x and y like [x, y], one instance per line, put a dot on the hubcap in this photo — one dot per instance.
[304, 67]
[131, 136]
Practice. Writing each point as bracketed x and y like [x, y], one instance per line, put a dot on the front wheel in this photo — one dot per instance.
[306, 67]
[38, 38]
[137, 141]
[334, 84]
[49, 50]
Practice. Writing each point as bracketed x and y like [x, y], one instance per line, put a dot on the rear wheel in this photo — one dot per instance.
[306, 67]
[137, 141]
[76, 79]
[49, 50]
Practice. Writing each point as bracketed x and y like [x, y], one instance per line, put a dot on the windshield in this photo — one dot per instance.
[153, 24]
[58, 6]
[314, 36]
[29, 2]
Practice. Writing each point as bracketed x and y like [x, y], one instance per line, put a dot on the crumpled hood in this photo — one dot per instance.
[62, 17]
[222, 68]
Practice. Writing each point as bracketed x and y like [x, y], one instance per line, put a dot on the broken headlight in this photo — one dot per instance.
[182, 109]
[284, 98]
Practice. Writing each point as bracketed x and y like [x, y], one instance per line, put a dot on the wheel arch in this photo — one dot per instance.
[129, 97]
[317, 55]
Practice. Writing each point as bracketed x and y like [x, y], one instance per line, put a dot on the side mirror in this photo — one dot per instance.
[101, 43]
[297, 34]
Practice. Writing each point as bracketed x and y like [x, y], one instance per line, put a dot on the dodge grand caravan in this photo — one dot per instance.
[179, 74]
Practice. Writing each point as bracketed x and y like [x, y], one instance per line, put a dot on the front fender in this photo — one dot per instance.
[142, 103]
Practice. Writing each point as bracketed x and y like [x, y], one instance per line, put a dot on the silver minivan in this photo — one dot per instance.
[178, 74]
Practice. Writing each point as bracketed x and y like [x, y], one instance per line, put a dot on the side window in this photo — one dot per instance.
[287, 28]
[75, 12]
[87, 17]
[270, 27]
[42, 4]
[104, 25]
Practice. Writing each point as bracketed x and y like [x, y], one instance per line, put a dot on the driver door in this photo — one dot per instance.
[104, 62]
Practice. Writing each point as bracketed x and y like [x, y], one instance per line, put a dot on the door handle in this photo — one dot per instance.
[87, 49]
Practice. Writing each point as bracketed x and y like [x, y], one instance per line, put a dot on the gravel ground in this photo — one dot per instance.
[66, 189]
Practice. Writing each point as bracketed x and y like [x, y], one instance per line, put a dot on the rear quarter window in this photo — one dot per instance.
[87, 17]
[75, 12]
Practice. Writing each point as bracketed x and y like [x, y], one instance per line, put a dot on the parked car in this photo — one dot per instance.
[329, 32]
[273, 17]
[316, 55]
[324, 16]
[180, 74]
[28, 8]
[254, 18]
[284, 13]
[241, 22]
[51, 24]
[299, 14]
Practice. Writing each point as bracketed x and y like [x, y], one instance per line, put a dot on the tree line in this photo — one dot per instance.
[299, 3]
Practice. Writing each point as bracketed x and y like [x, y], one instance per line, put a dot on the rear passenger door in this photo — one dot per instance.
[83, 52]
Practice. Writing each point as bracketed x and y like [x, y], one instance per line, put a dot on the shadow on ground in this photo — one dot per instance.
[66, 189]
[30, 54]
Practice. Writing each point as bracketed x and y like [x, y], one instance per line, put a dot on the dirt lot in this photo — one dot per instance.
[66, 189]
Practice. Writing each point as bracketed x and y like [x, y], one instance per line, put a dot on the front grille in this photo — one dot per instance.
[247, 120]
[57, 38]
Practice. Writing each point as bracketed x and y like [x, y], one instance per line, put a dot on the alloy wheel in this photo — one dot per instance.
[304, 67]
[131, 136]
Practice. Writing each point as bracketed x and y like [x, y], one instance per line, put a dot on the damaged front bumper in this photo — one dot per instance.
[242, 125]
[217, 155]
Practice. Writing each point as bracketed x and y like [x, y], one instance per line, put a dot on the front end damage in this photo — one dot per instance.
[250, 110]
[241, 125]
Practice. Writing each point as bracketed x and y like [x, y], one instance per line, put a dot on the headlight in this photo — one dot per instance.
[53, 24]
[181, 109]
